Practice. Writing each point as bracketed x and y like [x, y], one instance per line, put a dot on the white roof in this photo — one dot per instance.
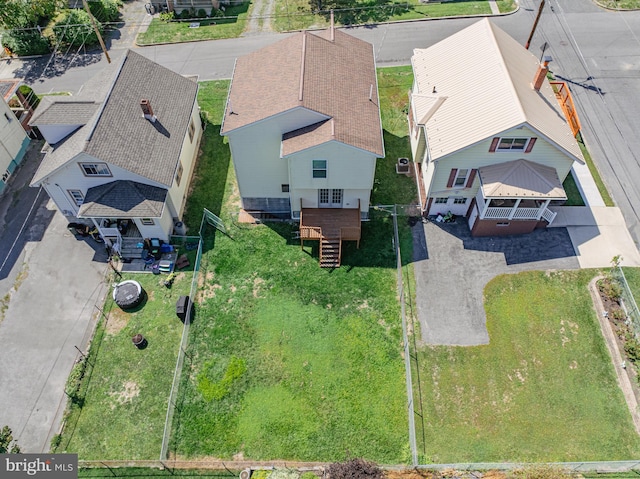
[482, 80]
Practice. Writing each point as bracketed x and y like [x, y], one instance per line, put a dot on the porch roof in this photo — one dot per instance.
[123, 199]
[520, 179]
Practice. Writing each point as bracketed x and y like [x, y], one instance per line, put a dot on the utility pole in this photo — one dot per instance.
[95, 29]
[535, 24]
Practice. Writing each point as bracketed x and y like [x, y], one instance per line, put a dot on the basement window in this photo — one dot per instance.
[503, 223]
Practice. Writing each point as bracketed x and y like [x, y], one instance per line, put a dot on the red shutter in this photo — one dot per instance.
[532, 142]
[494, 144]
[452, 177]
[472, 176]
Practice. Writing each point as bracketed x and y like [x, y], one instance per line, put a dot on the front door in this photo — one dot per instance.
[328, 198]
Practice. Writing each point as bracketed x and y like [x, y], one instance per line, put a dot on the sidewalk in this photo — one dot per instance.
[598, 232]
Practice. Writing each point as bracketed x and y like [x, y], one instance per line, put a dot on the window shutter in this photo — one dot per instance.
[472, 176]
[532, 142]
[494, 144]
[452, 177]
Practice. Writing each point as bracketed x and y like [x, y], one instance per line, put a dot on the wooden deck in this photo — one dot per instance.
[330, 226]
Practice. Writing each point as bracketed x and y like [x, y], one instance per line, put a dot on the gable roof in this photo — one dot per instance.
[123, 199]
[482, 78]
[336, 78]
[64, 111]
[115, 130]
[520, 178]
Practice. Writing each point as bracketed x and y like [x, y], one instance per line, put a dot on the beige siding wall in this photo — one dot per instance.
[161, 228]
[255, 150]
[188, 153]
[348, 169]
[54, 133]
[12, 136]
[72, 177]
[479, 155]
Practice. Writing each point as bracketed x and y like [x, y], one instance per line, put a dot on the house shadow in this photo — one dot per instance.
[540, 245]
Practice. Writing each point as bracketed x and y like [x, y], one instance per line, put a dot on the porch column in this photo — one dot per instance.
[485, 207]
[542, 208]
[513, 210]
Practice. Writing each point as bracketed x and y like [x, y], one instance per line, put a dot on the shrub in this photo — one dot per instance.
[202, 13]
[354, 469]
[610, 288]
[105, 10]
[26, 42]
[618, 313]
[74, 29]
[186, 14]
[167, 17]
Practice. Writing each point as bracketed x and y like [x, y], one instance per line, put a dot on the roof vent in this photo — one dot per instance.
[147, 111]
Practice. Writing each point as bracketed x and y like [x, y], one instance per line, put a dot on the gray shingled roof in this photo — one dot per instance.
[123, 199]
[336, 78]
[67, 111]
[118, 133]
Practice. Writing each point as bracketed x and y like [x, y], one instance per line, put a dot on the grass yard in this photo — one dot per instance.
[229, 26]
[297, 14]
[542, 390]
[292, 361]
[124, 404]
[574, 198]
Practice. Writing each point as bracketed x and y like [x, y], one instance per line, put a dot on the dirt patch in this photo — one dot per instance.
[130, 390]
[116, 321]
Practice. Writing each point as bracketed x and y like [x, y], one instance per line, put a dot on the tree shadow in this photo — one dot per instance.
[55, 65]
[372, 11]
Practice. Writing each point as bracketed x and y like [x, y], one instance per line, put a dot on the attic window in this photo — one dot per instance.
[516, 144]
[95, 169]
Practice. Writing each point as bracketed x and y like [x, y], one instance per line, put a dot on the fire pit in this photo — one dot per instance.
[128, 294]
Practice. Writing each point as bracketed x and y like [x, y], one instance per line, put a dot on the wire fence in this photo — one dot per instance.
[184, 340]
[628, 301]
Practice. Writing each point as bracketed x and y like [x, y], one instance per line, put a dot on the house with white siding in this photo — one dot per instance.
[303, 123]
[13, 141]
[490, 138]
[121, 154]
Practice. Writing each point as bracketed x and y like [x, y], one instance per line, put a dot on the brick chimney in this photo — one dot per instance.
[541, 74]
[147, 111]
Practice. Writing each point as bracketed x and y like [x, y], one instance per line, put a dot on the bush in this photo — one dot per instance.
[610, 288]
[26, 42]
[202, 13]
[186, 14]
[354, 469]
[105, 10]
[75, 29]
[166, 17]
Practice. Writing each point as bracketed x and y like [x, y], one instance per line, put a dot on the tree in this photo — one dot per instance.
[7, 444]
[74, 29]
[27, 13]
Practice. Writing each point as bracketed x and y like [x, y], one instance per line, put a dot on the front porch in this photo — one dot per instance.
[330, 226]
[514, 208]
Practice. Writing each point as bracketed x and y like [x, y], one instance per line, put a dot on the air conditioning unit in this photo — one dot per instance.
[403, 167]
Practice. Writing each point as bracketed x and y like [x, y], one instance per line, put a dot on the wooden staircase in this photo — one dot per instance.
[330, 250]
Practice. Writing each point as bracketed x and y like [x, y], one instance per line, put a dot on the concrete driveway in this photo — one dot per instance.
[452, 269]
[49, 284]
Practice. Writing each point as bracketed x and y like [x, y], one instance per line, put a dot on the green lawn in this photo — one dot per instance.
[574, 198]
[542, 390]
[230, 26]
[124, 404]
[608, 201]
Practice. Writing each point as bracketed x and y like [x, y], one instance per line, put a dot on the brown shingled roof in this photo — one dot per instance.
[338, 80]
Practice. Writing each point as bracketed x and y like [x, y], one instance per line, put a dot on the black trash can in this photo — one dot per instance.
[183, 307]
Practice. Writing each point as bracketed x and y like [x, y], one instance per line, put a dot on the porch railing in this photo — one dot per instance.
[549, 215]
[502, 213]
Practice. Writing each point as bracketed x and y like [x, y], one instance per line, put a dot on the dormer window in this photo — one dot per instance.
[95, 169]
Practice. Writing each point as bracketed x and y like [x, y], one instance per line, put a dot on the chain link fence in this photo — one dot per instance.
[628, 302]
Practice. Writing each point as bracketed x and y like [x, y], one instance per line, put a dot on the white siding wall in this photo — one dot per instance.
[188, 153]
[12, 136]
[54, 133]
[162, 228]
[348, 168]
[479, 155]
[256, 153]
[72, 177]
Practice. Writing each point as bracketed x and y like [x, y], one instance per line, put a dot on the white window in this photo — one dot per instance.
[460, 201]
[319, 168]
[95, 169]
[516, 144]
[77, 196]
[441, 201]
[461, 178]
[147, 221]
